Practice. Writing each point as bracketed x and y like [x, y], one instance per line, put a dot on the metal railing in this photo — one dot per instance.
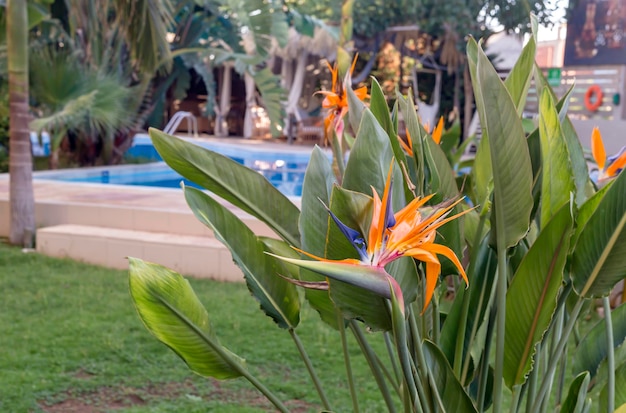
[174, 122]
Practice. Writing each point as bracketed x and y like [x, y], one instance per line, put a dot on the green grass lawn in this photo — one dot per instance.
[70, 339]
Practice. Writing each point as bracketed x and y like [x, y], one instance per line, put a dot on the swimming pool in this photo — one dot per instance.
[282, 166]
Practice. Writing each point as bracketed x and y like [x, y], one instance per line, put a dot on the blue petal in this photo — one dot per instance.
[390, 219]
[355, 237]
[613, 158]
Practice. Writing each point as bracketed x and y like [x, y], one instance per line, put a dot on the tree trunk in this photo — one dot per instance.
[22, 203]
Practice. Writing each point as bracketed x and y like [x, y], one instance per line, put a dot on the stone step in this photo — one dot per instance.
[192, 255]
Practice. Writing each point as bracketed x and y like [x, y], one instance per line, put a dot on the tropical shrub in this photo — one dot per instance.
[526, 238]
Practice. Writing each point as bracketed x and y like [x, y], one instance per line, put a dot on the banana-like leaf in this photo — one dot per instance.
[510, 160]
[278, 297]
[314, 226]
[599, 257]
[557, 175]
[576, 399]
[584, 187]
[593, 347]
[482, 282]
[379, 108]
[280, 247]
[368, 164]
[532, 296]
[232, 181]
[361, 304]
[518, 80]
[173, 313]
[451, 391]
[370, 157]
[414, 129]
[355, 109]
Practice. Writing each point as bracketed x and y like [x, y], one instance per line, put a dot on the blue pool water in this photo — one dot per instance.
[284, 169]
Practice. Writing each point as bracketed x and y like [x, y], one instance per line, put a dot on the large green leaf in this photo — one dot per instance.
[414, 133]
[175, 316]
[599, 258]
[584, 188]
[370, 157]
[481, 172]
[518, 80]
[232, 181]
[576, 400]
[593, 347]
[379, 108]
[510, 160]
[557, 175]
[277, 296]
[532, 296]
[451, 391]
[355, 109]
[314, 226]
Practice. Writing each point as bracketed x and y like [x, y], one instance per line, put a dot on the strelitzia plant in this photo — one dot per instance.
[374, 247]
[607, 167]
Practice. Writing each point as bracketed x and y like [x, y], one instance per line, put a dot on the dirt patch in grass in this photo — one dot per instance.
[105, 399]
[114, 398]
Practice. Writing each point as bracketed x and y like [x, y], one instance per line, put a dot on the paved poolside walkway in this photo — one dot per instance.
[70, 215]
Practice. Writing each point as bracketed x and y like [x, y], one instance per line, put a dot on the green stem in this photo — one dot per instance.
[401, 339]
[373, 362]
[484, 363]
[392, 358]
[460, 338]
[532, 386]
[610, 355]
[562, 365]
[422, 370]
[436, 320]
[501, 287]
[517, 392]
[557, 332]
[346, 359]
[555, 357]
[307, 362]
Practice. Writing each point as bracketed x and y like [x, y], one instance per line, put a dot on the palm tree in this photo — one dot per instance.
[90, 82]
[22, 202]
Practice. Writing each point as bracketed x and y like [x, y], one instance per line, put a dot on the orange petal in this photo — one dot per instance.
[432, 272]
[438, 131]
[377, 227]
[449, 254]
[618, 164]
[361, 93]
[597, 148]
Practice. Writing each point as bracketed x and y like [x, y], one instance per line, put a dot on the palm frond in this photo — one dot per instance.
[263, 20]
[273, 96]
[146, 23]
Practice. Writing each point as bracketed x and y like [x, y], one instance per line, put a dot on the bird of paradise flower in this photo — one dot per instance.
[336, 100]
[391, 236]
[608, 167]
[407, 145]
